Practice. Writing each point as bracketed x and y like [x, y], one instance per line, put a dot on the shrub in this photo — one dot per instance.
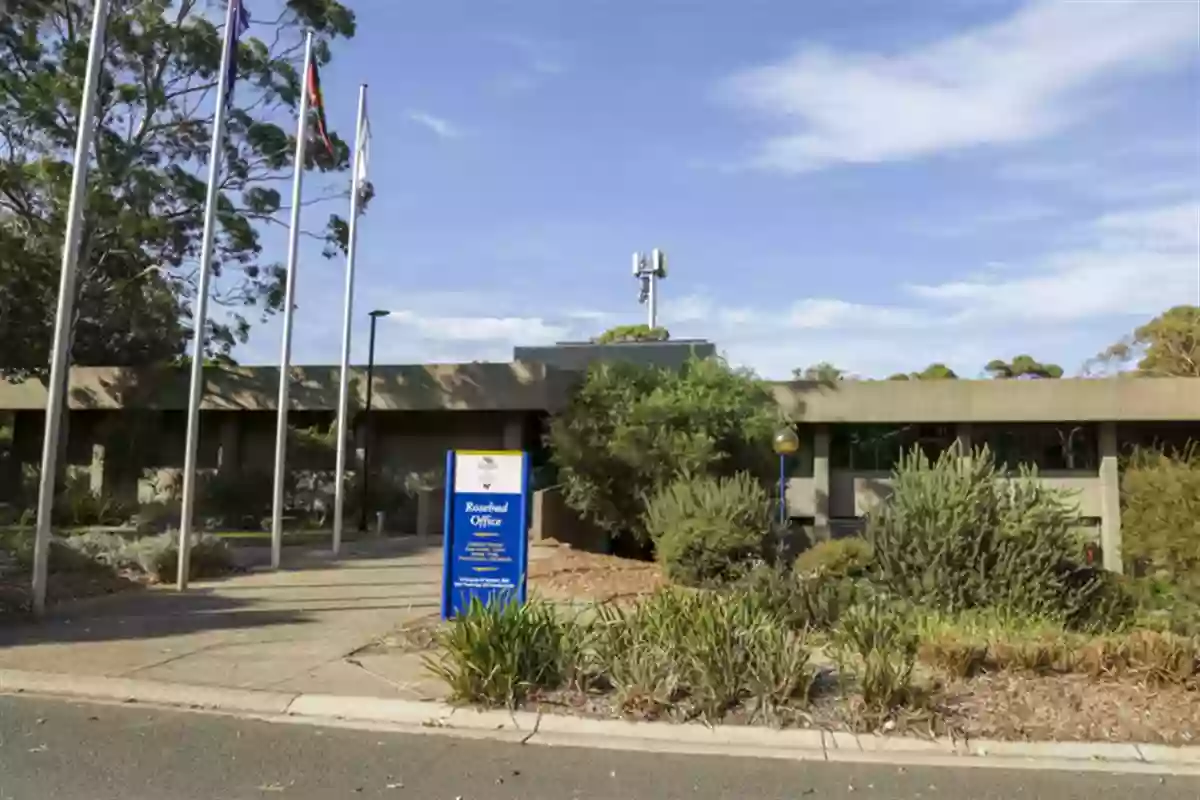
[78, 506]
[158, 556]
[954, 537]
[630, 430]
[703, 653]
[238, 500]
[706, 529]
[850, 557]
[1160, 512]
[496, 653]
[813, 602]
[874, 641]
[1167, 606]
[633, 333]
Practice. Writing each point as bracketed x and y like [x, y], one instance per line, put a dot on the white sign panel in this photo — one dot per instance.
[491, 472]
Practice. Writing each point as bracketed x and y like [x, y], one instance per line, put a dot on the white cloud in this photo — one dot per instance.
[1065, 305]
[442, 127]
[1135, 262]
[517, 330]
[538, 60]
[1016, 80]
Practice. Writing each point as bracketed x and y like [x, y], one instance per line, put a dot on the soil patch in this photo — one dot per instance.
[1007, 707]
[576, 575]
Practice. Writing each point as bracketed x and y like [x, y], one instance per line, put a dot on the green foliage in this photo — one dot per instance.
[629, 430]
[957, 537]
[633, 333]
[876, 641]
[235, 499]
[497, 653]
[78, 506]
[934, 372]
[1160, 512]
[804, 602]
[1166, 346]
[706, 528]
[147, 176]
[849, 557]
[158, 556]
[1022, 367]
[1167, 606]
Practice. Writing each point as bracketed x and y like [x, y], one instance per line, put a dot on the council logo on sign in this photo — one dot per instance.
[487, 471]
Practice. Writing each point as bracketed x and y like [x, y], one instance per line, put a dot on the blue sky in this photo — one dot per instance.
[874, 183]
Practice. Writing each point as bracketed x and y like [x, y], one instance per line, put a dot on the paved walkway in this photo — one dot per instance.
[297, 630]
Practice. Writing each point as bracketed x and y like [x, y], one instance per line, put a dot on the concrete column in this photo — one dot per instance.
[962, 440]
[229, 454]
[1110, 503]
[514, 432]
[96, 469]
[821, 483]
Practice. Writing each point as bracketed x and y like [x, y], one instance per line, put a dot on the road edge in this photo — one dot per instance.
[566, 731]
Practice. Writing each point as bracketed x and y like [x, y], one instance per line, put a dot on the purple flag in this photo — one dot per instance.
[240, 20]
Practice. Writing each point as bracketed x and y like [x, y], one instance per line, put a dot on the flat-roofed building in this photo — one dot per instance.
[127, 427]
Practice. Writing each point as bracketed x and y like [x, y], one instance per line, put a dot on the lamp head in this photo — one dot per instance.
[786, 442]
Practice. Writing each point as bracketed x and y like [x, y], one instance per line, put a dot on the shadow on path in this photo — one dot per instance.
[147, 615]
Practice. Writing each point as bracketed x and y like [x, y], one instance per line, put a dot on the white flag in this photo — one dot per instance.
[364, 148]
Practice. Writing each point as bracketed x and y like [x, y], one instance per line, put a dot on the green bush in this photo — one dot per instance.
[633, 333]
[630, 430]
[850, 557]
[1160, 512]
[814, 602]
[954, 537]
[706, 529]
[158, 556]
[496, 653]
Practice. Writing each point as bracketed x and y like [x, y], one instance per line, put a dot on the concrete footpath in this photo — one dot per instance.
[296, 646]
[297, 630]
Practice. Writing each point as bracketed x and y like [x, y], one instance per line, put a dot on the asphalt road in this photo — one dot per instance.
[74, 751]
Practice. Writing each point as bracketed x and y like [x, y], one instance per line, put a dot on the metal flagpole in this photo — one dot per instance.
[289, 303]
[339, 502]
[200, 312]
[61, 356]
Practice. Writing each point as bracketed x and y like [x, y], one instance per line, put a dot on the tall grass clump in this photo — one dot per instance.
[496, 653]
[701, 654]
[876, 642]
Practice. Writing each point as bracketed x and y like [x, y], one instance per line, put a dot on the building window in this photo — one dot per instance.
[878, 448]
[1047, 446]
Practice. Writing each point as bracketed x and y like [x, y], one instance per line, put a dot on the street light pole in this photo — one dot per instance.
[786, 443]
[366, 461]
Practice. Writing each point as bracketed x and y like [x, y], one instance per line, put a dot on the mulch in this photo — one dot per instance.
[576, 575]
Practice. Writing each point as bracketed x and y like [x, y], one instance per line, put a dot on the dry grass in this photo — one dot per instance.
[972, 646]
[1071, 708]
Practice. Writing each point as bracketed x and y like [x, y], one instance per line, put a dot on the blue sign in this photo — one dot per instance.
[486, 541]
